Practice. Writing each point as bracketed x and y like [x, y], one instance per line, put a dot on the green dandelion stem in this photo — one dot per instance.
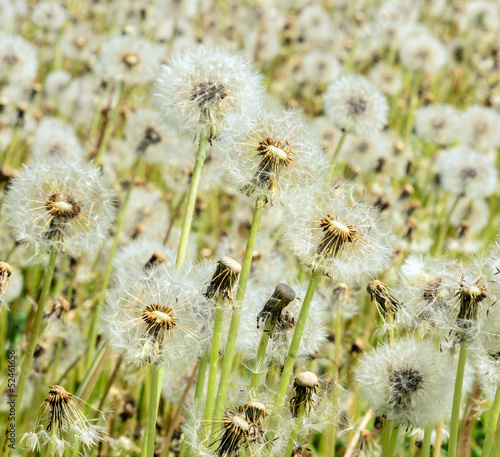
[292, 354]
[426, 444]
[154, 392]
[261, 353]
[193, 190]
[200, 380]
[92, 338]
[227, 361]
[457, 395]
[214, 361]
[35, 328]
[296, 428]
[491, 427]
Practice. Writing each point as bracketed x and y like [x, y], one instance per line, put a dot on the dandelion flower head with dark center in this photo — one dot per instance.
[355, 104]
[18, 60]
[269, 154]
[128, 59]
[62, 424]
[155, 319]
[466, 172]
[438, 123]
[337, 232]
[423, 52]
[60, 205]
[56, 138]
[481, 128]
[410, 383]
[427, 288]
[198, 88]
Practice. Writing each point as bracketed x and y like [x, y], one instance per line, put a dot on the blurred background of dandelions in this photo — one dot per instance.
[248, 228]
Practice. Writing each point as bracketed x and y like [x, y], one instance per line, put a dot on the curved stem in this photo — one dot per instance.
[92, 338]
[193, 190]
[492, 424]
[292, 353]
[457, 395]
[227, 362]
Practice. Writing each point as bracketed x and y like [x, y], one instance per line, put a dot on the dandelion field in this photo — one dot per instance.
[249, 228]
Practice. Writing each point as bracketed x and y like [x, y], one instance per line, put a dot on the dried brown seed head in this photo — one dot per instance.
[335, 235]
[223, 279]
[386, 303]
[282, 296]
[305, 385]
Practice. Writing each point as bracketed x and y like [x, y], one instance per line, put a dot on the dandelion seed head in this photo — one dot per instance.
[195, 91]
[356, 105]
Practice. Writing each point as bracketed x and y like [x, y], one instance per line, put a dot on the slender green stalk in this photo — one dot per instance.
[391, 444]
[156, 381]
[457, 395]
[227, 362]
[496, 449]
[193, 190]
[109, 127]
[296, 428]
[411, 446]
[292, 353]
[261, 353]
[426, 444]
[200, 380]
[443, 227]
[93, 372]
[214, 361]
[439, 438]
[337, 152]
[92, 338]
[35, 328]
[492, 424]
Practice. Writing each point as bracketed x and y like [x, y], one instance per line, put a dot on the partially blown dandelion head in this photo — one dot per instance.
[63, 425]
[339, 233]
[354, 104]
[386, 303]
[410, 383]
[5, 273]
[305, 385]
[60, 205]
[197, 89]
[223, 280]
[269, 154]
[153, 319]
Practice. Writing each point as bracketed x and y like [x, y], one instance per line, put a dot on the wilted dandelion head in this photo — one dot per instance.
[269, 154]
[197, 89]
[234, 433]
[338, 232]
[60, 205]
[223, 280]
[282, 296]
[5, 273]
[467, 173]
[305, 385]
[410, 383]
[151, 318]
[354, 104]
[386, 303]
